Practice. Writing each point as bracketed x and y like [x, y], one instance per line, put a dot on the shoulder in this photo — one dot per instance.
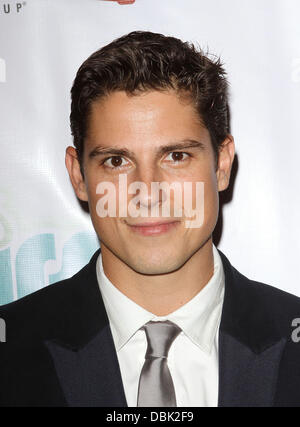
[268, 292]
[271, 297]
[279, 308]
[282, 307]
[43, 312]
[258, 303]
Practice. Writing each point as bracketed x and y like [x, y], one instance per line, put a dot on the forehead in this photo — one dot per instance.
[152, 116]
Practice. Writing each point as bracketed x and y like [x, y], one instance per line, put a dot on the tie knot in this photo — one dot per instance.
[160, 336]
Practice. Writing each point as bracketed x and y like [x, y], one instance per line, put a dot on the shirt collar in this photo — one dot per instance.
[198, 318]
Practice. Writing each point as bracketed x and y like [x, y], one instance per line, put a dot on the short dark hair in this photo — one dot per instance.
[142, 61]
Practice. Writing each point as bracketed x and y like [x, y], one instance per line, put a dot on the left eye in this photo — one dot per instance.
[177, 156]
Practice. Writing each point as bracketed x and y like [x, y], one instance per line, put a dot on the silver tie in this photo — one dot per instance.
[156, 386]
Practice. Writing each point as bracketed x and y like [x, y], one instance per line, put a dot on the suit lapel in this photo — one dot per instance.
[247, 379]
[90, 376]
[250, 347]
[83, 353]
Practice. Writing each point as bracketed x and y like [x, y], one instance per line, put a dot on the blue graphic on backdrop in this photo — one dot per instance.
[6, 288]
[31, 258]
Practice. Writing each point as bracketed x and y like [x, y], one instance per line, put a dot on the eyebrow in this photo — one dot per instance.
[182, 145]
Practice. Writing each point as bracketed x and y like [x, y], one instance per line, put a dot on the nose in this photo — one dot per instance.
[150, 195]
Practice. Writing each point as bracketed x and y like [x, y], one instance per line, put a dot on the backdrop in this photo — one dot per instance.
[45, 236]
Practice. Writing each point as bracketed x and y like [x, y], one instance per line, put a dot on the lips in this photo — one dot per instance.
[153, 228]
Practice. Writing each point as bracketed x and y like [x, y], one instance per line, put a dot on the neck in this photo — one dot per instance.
[161, 294]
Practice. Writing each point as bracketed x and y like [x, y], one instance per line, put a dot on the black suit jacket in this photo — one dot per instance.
[59, 349]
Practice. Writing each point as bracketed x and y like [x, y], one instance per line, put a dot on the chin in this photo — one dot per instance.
[156, 266]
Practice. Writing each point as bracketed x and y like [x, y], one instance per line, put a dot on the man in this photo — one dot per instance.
[159, 317]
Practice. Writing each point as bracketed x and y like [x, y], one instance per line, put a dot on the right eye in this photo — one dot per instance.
[114, 162]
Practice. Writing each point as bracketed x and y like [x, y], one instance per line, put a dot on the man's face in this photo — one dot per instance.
[151, 137]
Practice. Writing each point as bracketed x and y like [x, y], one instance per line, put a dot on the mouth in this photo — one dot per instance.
[153, 228]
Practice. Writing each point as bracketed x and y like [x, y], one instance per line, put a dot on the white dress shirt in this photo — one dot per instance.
[193, 356]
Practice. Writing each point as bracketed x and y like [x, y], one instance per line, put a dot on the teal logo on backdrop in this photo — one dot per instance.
[31, 258]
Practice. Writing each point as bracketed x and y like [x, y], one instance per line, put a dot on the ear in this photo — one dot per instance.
[226, 157]
[77, 180]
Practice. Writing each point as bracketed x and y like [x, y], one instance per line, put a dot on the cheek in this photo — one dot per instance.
[107, 230]
[208, 179]
[211, 199]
